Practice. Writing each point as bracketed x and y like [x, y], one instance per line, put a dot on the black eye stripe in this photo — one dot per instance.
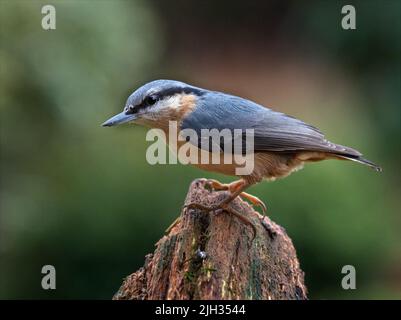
[175, 90]
[153, 98]
[147, 102]
[150, 100]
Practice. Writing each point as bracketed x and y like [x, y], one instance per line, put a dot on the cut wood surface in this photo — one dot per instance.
[217, 256]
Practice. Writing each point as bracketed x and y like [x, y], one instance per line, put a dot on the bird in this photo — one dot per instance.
[282, 144]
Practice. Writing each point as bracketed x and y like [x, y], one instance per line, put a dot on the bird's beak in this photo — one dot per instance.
[119, 119]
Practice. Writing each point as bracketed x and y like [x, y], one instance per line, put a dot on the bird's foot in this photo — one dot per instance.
[223, 207]
[255, 201]
[216, 185]
[232, 187]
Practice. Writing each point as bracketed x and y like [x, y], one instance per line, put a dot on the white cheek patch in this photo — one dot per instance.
[172, 102]
[161, 106]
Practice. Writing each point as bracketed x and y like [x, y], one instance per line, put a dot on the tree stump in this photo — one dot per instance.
[217, 256]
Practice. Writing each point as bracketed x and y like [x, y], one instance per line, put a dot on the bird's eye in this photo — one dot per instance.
[150, 100]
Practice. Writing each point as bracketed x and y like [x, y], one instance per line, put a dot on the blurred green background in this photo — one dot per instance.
[84, 199]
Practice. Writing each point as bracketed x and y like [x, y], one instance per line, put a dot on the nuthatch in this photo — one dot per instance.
[282, 144]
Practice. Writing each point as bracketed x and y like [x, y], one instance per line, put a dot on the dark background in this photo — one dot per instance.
[84, 199]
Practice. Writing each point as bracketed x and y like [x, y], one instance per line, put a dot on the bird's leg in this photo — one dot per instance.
[235, 188]
[218, 186]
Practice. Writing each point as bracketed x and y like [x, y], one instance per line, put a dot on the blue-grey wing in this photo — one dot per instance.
[273, 131]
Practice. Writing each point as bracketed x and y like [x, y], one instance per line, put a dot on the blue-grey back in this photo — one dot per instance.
[273, 131]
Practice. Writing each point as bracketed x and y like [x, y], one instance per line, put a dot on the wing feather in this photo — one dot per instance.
[273, 131]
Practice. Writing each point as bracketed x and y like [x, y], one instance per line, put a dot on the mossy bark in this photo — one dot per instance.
[217, 256]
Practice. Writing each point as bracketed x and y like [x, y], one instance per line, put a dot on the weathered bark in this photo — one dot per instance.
[214, 256]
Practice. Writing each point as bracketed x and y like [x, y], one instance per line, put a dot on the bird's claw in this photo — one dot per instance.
[194, 205]
[218, 210]
[214, 185]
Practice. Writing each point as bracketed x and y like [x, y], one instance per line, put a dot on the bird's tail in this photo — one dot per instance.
[359, 159]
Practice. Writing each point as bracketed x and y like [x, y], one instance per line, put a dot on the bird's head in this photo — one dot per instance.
[156, 103]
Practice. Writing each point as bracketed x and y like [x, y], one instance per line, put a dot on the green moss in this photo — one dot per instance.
[165, 249]
[254, 287]
[208, 271]
[198, 241]
[189, 276]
